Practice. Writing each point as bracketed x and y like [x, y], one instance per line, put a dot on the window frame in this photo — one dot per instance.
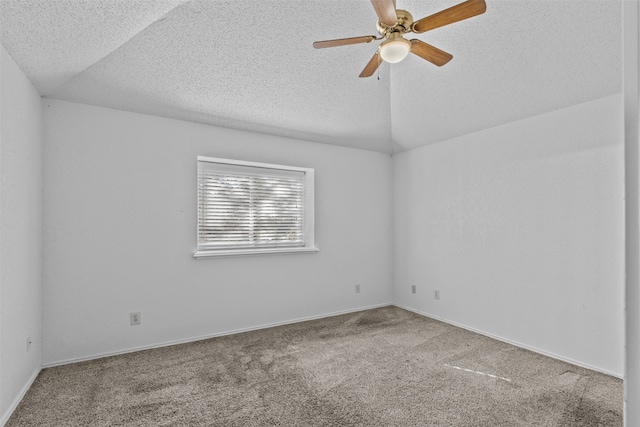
[308, 212]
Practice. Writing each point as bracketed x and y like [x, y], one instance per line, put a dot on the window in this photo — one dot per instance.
[253, 208]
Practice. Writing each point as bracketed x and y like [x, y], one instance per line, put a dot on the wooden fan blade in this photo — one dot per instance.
[430, 53]
[371, 66]
[456, 13]
[386, 11]
[343, 42]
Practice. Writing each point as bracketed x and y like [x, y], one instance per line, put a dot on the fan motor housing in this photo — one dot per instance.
[402, 25]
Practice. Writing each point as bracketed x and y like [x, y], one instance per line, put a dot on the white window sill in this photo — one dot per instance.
[246, 252]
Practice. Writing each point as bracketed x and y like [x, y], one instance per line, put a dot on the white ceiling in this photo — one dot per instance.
[250, 64]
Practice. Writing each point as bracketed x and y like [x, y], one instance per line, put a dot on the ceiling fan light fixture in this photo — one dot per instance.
[395, 49]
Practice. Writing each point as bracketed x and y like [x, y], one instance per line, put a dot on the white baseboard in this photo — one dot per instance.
[515, 343]
[204, 337]
[19, 397]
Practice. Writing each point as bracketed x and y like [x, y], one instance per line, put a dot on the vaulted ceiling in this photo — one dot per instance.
[250, 64]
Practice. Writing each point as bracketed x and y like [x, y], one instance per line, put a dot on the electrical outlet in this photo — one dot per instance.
[135, 318]
[436, 294]
[413, 289]
[28, 343]
[357, 289]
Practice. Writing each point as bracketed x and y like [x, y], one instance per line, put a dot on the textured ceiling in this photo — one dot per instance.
[250, 64]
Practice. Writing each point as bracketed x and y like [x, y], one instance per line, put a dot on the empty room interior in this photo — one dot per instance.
[462, 209]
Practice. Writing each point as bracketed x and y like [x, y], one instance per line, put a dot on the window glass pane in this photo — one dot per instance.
[249, 207]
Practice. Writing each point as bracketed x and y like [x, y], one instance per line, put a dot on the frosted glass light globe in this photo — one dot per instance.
[395, 50]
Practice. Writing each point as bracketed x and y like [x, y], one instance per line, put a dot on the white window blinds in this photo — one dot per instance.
[244, 206]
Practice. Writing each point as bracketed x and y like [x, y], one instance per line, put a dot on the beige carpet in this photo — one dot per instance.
[385, 367]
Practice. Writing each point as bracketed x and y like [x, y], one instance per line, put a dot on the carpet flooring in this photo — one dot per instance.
[385, 367]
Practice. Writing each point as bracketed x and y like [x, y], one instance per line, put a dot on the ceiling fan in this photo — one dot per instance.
[394, 23]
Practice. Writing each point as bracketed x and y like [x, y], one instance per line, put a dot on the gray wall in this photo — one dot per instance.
[20, 234]
[521, 228]
[631, 43]
[120, 224]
